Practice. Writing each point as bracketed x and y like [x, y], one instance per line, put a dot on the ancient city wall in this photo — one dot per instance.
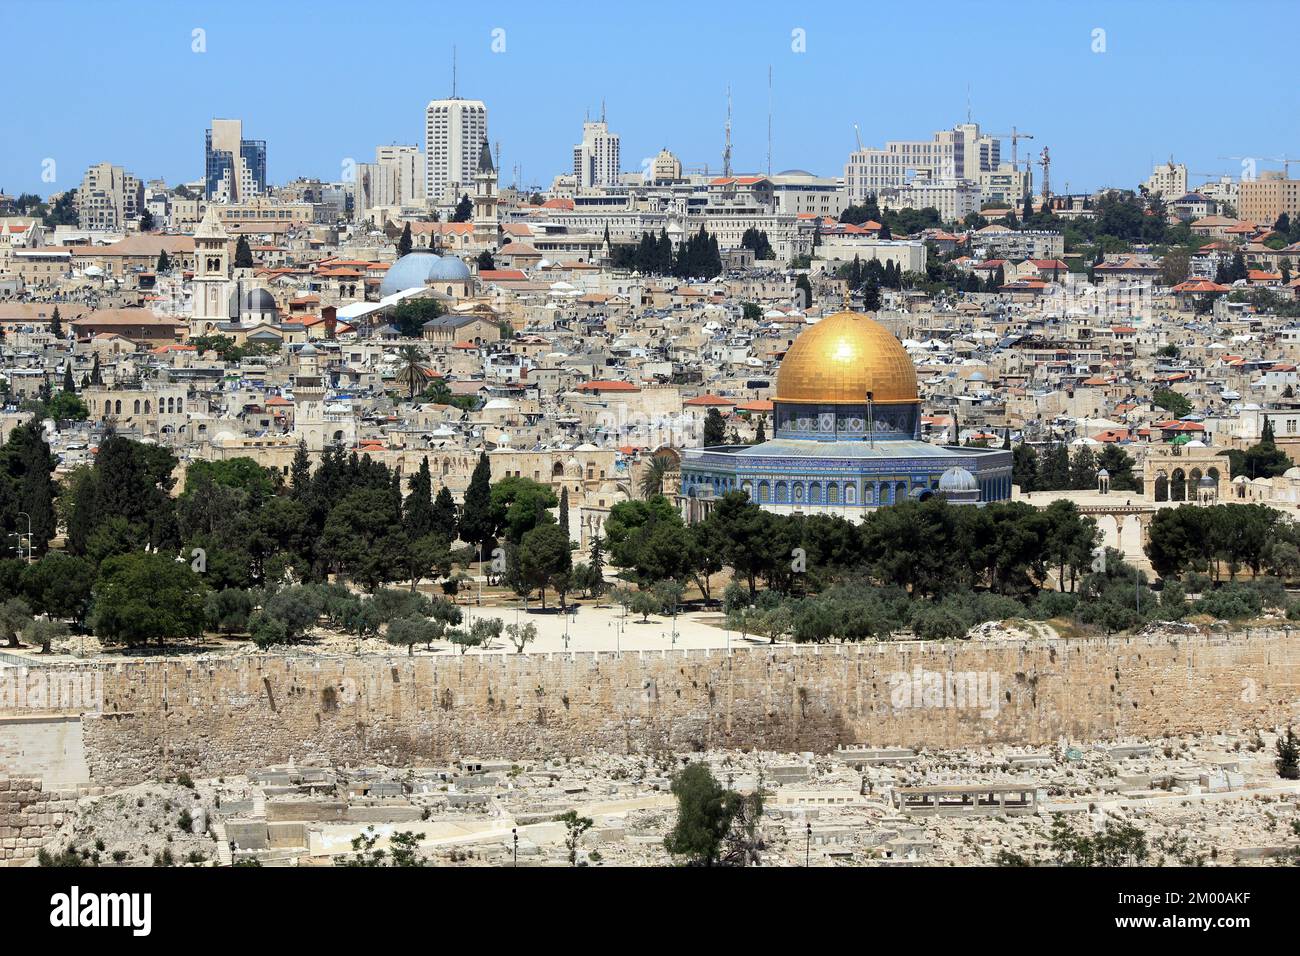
[225, 715]
[29, 814]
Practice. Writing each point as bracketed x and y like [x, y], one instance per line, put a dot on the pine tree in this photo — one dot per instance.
[760, 432]
[56, 324]
[164, 263]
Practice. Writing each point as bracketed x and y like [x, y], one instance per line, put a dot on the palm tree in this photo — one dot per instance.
[652, 478]
[413, 373]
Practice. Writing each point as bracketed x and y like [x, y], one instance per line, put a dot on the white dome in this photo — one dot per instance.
[957, 480]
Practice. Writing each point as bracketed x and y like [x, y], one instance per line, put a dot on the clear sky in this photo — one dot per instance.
[118, 80]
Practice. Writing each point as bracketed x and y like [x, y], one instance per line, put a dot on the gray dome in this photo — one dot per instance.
[957, 480]
[259, 300]
[409, 272]
[449, 269]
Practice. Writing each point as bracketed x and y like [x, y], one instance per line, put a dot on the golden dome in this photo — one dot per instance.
[841, 359]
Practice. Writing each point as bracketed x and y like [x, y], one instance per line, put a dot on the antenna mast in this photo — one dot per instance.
[726, 152]
[769, 120]
[453, 71]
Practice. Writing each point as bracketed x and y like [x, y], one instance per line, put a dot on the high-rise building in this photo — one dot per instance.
[234, 168]
[454, 130]
[395, 178]
[960, 153]
[1264, 199]
[596, 158]
[108, 197]
[1169, 180]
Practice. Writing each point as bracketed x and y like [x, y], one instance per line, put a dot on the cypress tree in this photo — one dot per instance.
[476, 525]
[96, 377]
[299, 471]
[596, 562]
[444, 514]
[243, 254]
[404, 243]
[564, 509]
[69, 385]
[417, 517]
[56, 324]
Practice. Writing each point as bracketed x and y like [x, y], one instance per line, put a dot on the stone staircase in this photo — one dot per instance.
[224, 856]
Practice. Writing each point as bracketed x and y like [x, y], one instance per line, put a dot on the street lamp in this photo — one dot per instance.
[514, 833]
[807, 852]
[24, 514]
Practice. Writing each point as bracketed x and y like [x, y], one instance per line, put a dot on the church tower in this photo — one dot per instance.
[212, 283]
[485, 200]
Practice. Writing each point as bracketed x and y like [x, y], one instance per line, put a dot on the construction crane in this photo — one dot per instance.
[1284, 161]
[1015, 136]
[858, 133]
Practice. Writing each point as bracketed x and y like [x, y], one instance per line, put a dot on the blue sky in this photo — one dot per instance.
[324, 81]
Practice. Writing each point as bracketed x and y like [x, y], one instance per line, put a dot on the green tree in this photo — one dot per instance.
[144, 597]
[477, 525]
[409, 631]
[714, 429]
[60, 585]
[574, 827]
[243, 254]
[1288, 755]
[404, 243]
[543, 553]
[705, 813]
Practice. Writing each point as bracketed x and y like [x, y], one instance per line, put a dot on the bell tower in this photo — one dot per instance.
[212, 282]
[485, 200]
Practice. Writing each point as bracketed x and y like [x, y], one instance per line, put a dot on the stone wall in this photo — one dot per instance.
[225, 715]
[29, 815]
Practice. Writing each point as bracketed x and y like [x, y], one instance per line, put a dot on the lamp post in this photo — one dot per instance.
[807, 852]
[24, 514]
[514, 833]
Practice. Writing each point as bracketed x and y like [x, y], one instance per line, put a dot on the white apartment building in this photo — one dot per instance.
[108, 197]
[1223, 191]
[596, 158]
[955, 199]
[800, 193]
[1169, 180]
[454, 130]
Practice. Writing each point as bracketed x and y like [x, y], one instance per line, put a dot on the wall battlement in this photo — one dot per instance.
[209, 716]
